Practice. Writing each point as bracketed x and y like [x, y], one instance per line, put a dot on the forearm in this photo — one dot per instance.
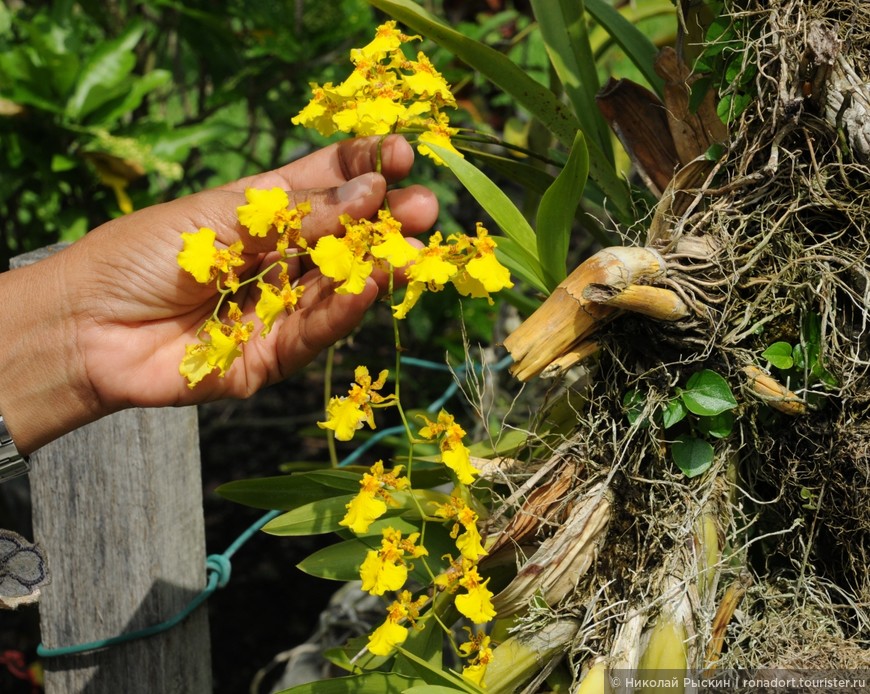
[43, 392]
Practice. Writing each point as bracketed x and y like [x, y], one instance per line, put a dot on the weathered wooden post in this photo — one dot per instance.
[117, 507]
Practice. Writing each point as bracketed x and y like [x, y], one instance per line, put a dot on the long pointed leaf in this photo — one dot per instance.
[518, 262]
[522, 246]
[283, 493]
[556, 213]
[365, 683]
[315, 518]
[636, 45]
[491, 198]
[563, 26]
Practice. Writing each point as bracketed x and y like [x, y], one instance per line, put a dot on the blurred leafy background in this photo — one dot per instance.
[110, 106]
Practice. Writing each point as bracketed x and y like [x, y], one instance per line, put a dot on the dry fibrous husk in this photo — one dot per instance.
[767, 244]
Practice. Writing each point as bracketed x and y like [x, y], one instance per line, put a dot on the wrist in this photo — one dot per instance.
[12, 463]
[42, 393]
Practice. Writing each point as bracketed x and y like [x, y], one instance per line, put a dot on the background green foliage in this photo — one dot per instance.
[151, 98]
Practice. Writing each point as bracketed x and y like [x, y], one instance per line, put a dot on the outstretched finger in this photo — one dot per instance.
[218, 209]
[336, 164]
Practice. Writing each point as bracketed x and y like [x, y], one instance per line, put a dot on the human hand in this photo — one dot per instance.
[118, 311]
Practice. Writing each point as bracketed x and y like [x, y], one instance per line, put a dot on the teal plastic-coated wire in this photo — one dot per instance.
[218, 568]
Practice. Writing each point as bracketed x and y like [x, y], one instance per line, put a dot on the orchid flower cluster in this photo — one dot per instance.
[386, 92]
[469, 263]
[386, 568]
[208, 261]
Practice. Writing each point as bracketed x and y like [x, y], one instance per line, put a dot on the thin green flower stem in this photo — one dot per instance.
[379, 163]
[438, 606]
[405, 423]
[327, 392]
[226, 292]
[397, 340]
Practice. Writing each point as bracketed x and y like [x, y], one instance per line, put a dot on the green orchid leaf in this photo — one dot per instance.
[718, 426]
[707, 394]
[556, 213]
[563, 27]
[338, 562]
[365, 683]
[316, 518]
[427, 643]
[517, 261]
[640, 50]
[339, 479]
[637, 14]
[779, 354]
[341, 561]
[692, 455]
[675, 411]
[538, 181]
[435, 675]
[283, 492]
[528, 176]
[519, 247]
[491, 198]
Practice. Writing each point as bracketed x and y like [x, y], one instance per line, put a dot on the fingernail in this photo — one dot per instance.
[359, 187]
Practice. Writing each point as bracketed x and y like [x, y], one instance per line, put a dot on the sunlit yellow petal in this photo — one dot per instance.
[387, 39]
[469, 544]
[377, 116]
[490, 272]
[439, 137]
[378, 576]
[336, 260]
[269, 307]
[413, 292]
[395, 249]
[458, 459]
[258, 216]
[477, 603]
[195, 365]
[199, 254]
[344, 417]
[224, 343]
[469, 286]
[363, 510]
[386, 637]
[474, 673]
[427, 82]
[431, 268]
